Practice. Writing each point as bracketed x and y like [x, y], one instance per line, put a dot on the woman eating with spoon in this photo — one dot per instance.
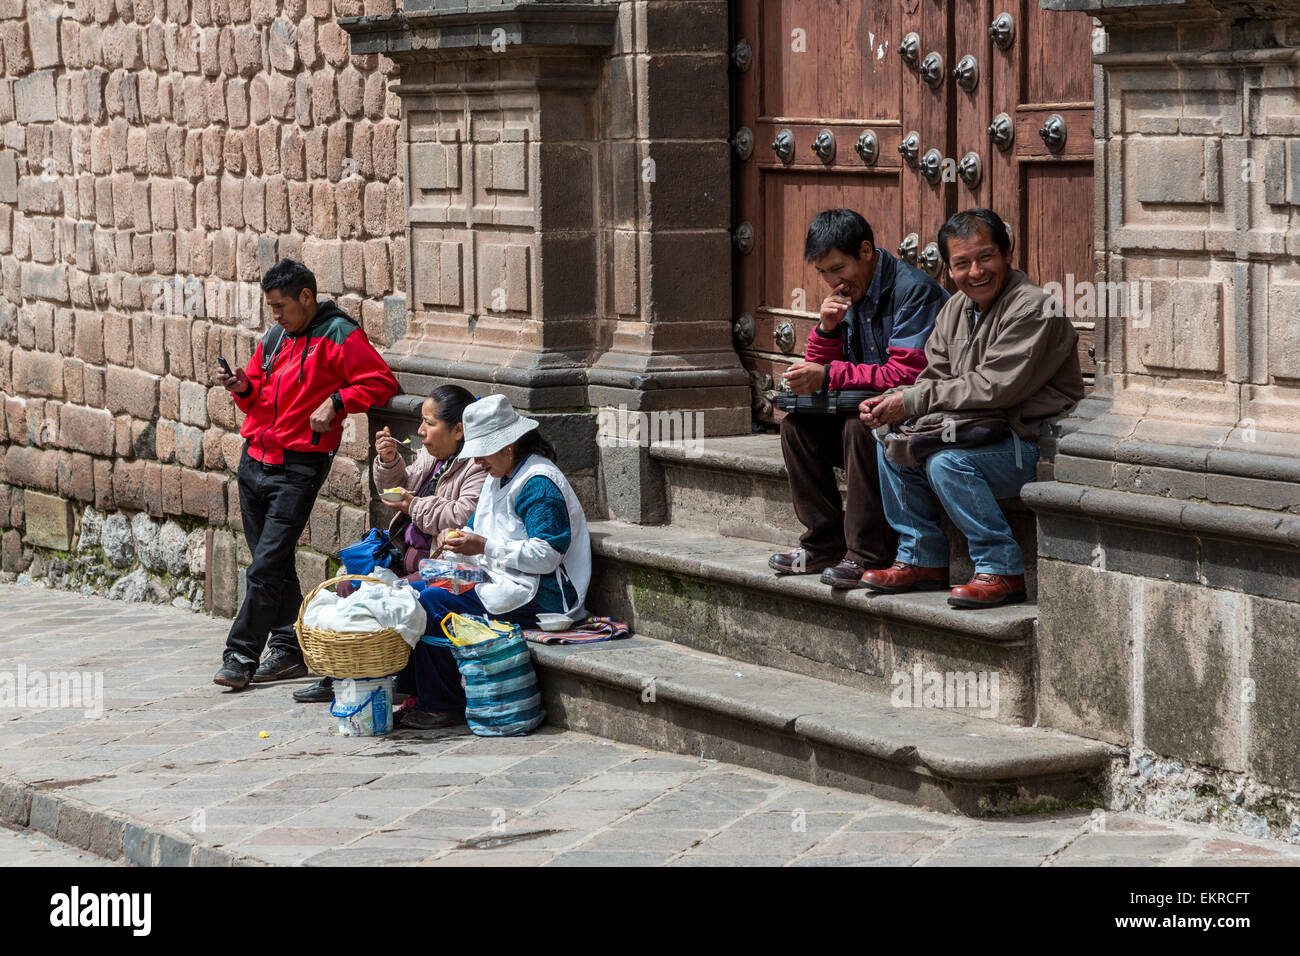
[435, 492]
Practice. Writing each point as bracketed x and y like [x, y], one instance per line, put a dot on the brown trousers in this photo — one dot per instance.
[814, 447]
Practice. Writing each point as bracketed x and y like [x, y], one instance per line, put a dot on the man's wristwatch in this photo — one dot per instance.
[337, 399]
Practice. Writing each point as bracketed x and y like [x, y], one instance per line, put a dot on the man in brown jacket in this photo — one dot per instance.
[995, 349]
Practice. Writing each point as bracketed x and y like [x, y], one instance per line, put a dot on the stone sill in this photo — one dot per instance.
[1196, 517]
[441, 35]
[1199, 450]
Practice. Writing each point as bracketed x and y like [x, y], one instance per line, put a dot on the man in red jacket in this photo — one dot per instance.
[311, 370]
[870, 336]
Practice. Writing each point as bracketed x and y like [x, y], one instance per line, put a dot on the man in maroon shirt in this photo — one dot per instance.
[871, 336]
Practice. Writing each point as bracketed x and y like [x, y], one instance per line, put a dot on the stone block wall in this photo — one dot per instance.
[1169, 541]
[156, 156]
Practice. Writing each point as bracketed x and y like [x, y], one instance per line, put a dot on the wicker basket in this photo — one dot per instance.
[361, 654]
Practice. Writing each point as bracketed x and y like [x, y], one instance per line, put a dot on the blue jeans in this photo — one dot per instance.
[968, 483]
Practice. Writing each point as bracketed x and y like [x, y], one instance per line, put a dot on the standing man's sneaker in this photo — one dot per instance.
[280, 665]
[234, 674]
[798, 561]
[900, 578]
[989, 590]
[321, 692]
[847, 574]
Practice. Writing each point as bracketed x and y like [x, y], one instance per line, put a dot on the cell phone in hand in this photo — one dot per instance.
[225, 366]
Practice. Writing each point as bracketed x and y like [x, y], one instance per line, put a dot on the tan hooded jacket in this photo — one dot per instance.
[1018, 359]
[451, 503]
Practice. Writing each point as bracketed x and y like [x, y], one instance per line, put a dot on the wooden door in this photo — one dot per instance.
[833, 69]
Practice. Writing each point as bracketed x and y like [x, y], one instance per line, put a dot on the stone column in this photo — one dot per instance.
[568, 192]
[1169, 541]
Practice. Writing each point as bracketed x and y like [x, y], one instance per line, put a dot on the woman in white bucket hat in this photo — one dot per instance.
[528, 532]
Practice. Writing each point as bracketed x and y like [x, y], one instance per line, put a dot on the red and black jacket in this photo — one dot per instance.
[290, 376]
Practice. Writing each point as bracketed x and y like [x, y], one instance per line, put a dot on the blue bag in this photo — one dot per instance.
[375, 550]
[502, 697]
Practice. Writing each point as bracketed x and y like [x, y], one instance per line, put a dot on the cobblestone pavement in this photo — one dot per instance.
[263, 777]
[27, 848]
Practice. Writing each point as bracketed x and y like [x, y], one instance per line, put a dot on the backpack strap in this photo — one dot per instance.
[270, 347]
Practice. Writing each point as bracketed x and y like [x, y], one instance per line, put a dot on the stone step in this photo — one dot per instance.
[717, 594]
[662, 695]
[737, 487]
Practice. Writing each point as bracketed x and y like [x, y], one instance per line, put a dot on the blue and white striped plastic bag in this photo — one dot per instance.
[502, 697]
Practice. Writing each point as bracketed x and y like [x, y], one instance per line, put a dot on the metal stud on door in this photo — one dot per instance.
[743, 56]
[824, 146]
[743, 329]
[907, 248]
[783, 145]
[1003, 31]
[930, 261]
[744, 238]
[784, 336]
[932, 166]
[1053, 133]
[743, 143]
[910, 50]
[868, 148]
[932, 70]
[967, 73]
[1002, 131]
[910, 147]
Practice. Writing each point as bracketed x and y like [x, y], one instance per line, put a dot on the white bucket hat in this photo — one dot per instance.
[490, 425]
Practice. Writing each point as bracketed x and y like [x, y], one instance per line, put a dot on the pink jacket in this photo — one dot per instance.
[453, 501]
[903, 366]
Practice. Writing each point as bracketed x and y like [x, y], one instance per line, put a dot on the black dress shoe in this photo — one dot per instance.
[798, 561]
[281, 665]
[321, 692]
[234, 674]
[846, 574]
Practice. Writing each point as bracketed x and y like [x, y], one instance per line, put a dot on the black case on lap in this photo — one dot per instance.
[823, 402]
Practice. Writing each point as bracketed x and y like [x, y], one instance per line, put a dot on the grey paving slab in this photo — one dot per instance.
[852, 859]
[506, 798]
[367, 856]
[912, 822]
[986, 859]
[1127, 844]
[425, 840]
[728, 860]
[586, 858]
[183, 758]
[880, 843]
[601, 799]
[620, 840]
[492, 858]
[425, 781]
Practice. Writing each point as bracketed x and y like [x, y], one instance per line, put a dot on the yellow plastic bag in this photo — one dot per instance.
[465, 631]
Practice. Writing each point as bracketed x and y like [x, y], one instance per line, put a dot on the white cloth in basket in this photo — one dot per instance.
[372, 607]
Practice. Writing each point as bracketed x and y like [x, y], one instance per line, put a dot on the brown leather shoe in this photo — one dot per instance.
[989, 590]
[899, 578]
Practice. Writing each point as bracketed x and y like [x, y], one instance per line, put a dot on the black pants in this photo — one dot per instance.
[813, 447]
[275, 501]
